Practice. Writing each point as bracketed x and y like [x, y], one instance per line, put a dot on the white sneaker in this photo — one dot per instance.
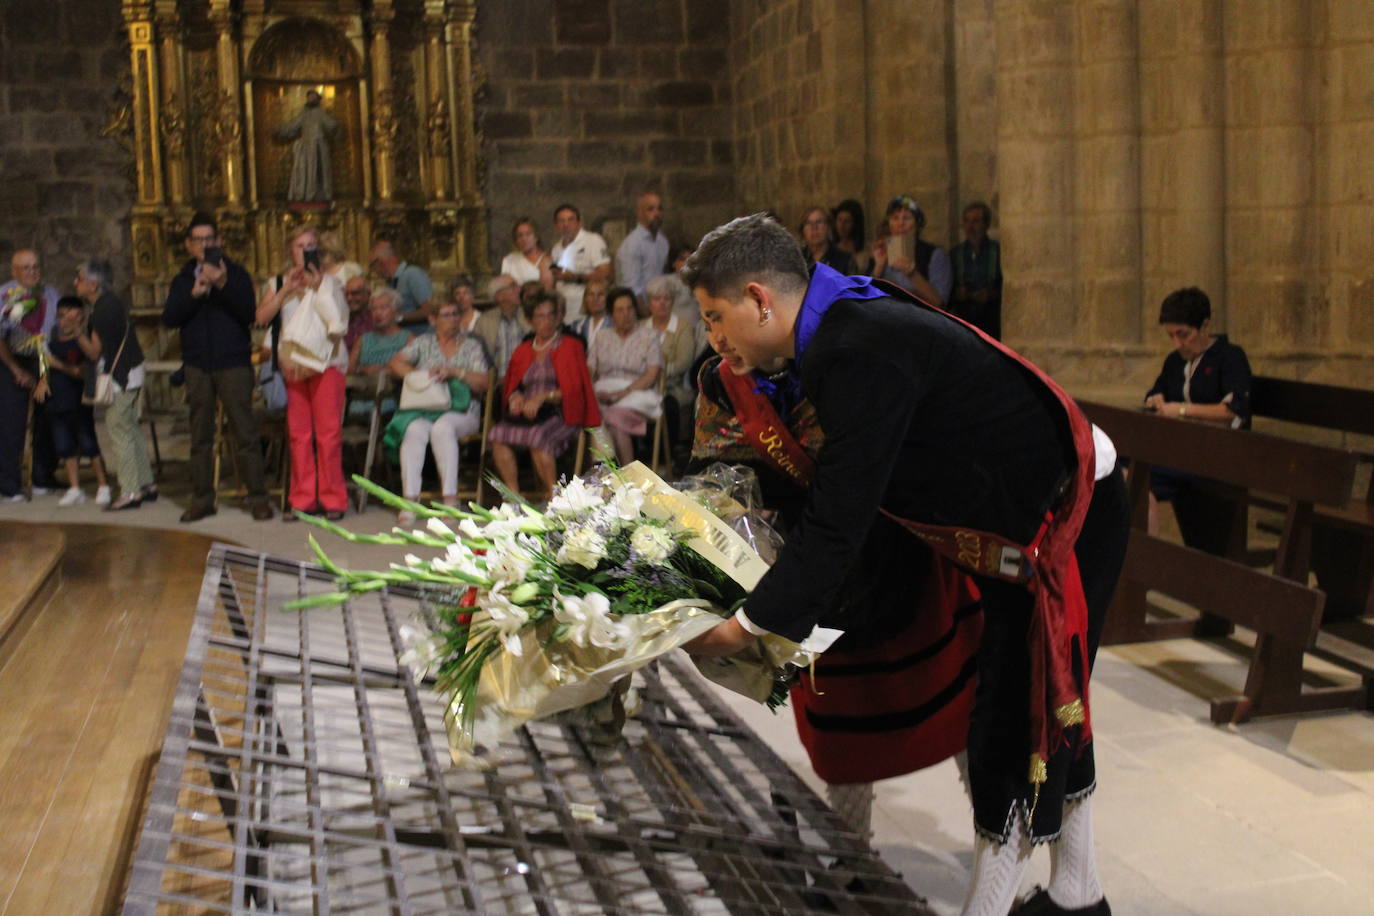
[102, 496]
[13, 498]
[72, 497]
[41, 491]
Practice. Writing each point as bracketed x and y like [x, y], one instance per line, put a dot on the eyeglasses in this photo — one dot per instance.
[201, 239]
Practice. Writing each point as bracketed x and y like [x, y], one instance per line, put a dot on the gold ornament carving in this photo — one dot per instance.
[173, 128]
[384, 124]
[437, 126]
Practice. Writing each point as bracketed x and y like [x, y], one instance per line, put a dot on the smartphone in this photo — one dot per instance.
[312, 259]
[902, 246]
[214, 255]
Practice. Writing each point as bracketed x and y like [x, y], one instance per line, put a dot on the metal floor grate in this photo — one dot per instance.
[304, 772]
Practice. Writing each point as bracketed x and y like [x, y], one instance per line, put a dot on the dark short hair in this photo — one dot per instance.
[1189, 306]
[71, 302]
[618, 292]
[907, 202]
[750, 248]
[856, 211]
[461, 280]
[561, 207]
[201, 218]
[979, 205]
[537, 299]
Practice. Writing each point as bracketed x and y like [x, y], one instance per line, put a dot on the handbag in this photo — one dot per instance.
[423, 392]
[104, 381]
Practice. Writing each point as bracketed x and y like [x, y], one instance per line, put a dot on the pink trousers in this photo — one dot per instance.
[314, 424]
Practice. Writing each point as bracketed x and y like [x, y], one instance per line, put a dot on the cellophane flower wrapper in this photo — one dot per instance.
[542, 614]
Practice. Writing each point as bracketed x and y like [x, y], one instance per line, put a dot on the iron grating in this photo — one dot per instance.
[303, 771]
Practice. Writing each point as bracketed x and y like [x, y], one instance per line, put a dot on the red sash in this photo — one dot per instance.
[765, 431]
[1049, 569]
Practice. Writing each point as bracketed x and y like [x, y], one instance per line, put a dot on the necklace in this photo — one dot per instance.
[545, 345]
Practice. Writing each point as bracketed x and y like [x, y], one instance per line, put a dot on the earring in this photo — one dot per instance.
[764, 315]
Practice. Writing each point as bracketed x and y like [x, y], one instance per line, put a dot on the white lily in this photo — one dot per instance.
[574, 497]
[589, 620]
[627, 502]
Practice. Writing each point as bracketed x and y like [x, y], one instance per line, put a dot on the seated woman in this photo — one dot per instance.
[848, 223]
[818, 241]
[625, 365]
[451, 356]
[372, 352]
[548, 397]
[1206, 378]
[676, 349]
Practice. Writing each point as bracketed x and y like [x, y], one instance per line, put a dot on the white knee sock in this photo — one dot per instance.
[997, 872]
[1073, 865]
[854, 803]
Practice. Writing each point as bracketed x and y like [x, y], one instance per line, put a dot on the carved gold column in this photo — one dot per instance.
[145, 238]
[172, 120]
[438, 133]
[383, 104]
[229, 120]
[462, 120]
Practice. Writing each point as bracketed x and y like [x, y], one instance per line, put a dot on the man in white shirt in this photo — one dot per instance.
[644, 253]
[579, 256]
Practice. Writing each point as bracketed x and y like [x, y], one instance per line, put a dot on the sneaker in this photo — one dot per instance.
[72, 497]
[103, 497]
[41, 491]
[13, 498]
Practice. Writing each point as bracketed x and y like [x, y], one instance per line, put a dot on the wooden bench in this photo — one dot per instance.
[1282, 610]
[1343, 535]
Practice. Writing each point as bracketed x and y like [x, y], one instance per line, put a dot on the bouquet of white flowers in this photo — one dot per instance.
[541, 612]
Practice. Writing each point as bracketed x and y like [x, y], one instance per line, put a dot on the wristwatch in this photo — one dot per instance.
[1183, 410]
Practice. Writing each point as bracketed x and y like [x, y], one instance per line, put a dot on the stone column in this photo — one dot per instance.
[1035, 162]
[1271, 237]
[1183, 154]
[1106, 114]
[382, 104]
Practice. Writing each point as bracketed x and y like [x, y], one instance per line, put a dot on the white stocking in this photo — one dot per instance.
[1073, 866]
[997, 872]
[854, 803]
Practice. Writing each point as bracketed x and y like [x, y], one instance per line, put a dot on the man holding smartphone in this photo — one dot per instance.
[212, 303]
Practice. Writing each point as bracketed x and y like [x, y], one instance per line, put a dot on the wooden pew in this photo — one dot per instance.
[1343, 535]
[1284, 613]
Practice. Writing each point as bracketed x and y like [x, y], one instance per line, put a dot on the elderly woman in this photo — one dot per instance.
[926, 272]
[314, 391]
[529, 261]
[625, 365]
[548, 397]
[372, 352]
[818, 241]
[676, 349]
[455, 358]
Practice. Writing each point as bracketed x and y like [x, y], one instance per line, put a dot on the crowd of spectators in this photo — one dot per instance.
[569, 336]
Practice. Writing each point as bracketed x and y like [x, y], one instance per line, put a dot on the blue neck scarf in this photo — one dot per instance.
[827, 287]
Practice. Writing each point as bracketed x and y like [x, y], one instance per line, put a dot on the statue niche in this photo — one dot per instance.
[305, 78]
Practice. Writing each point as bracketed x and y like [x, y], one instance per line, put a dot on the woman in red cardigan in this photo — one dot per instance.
[549, 396]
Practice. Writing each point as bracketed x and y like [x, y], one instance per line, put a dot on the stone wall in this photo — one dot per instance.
[593, 101]
[64, 189]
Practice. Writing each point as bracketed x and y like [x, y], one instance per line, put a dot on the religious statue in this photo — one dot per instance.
[311, 129]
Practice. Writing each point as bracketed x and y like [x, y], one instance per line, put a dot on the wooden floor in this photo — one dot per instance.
[84, 698]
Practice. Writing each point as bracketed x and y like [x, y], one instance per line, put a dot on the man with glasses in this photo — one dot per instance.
[28, 310]
[212, 303]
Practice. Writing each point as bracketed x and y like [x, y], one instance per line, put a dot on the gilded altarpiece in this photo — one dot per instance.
[214, 81]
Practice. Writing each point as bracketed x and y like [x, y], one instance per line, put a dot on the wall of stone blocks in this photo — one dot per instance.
[593, 101]
[64, 189]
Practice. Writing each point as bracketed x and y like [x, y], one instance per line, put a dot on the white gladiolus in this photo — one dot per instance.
[439, 529]
[469, 529]
[508, 617]
[508, 561]
[413, 560]
[575, 496]
[423, 650]
[459, 559]
[582, 546]
[652, 543]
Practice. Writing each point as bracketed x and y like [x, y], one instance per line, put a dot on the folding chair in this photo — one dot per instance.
[480, 437]
[373, 391]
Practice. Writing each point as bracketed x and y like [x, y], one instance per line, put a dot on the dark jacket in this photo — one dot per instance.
[110, 321]
[215, 327]
[1222, 375]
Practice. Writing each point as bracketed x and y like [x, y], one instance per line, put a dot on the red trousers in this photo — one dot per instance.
[314, 425]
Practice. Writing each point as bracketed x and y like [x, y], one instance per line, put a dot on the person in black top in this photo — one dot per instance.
[817, 234]
[72, 422]
[1206, 378]
[980, 455]
[212, 302]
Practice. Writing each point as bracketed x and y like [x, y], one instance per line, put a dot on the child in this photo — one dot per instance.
[72, 422]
